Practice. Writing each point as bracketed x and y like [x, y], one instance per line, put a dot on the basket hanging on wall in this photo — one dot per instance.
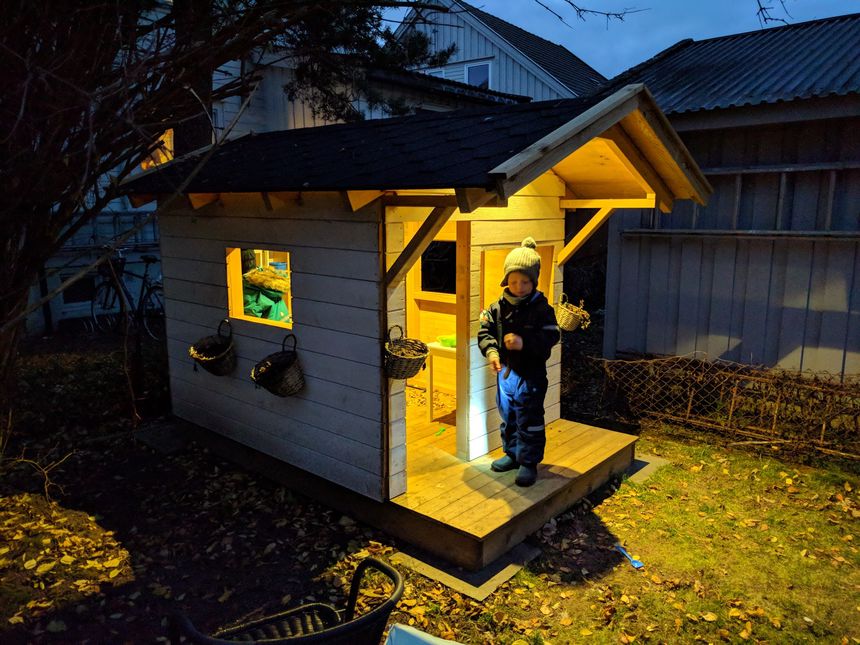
[404, 357]
[216, 353]
[570, 317]
[280, 372]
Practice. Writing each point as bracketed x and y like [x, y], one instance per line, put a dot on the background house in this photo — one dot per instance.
[769, 271]
[495, 54]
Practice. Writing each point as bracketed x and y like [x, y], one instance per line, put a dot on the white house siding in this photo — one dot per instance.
[506, 73]
[768, 273]
[332, 428]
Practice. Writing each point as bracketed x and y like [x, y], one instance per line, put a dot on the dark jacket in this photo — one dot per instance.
[534, 320]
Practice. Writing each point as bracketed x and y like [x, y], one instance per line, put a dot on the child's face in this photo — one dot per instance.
[519, 284]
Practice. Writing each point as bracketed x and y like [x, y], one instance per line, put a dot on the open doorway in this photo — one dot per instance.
[431, 399]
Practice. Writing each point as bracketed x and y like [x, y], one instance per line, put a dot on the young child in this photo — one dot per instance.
[516, 335]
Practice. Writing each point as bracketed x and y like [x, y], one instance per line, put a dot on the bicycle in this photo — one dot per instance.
[113, 306]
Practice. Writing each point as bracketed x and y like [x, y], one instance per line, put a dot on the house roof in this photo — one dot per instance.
[498, 149]
[812, 59]
[443, 87]
[570, 70]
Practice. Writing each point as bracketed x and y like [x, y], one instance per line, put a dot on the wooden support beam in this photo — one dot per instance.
[199, 200]
[266, 201]
[470, 199]
[637, 165]
[543, 154]
[583, 234]
[462, 325]
[431, 201]
[361, 198]
[139, 200]
[418, 244]
[643, 202]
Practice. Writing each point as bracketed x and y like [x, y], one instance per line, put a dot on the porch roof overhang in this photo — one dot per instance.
[611, 151]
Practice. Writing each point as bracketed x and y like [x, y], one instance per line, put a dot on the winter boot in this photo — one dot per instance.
[526, 475]
[503, 464]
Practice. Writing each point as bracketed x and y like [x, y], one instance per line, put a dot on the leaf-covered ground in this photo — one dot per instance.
[738, 547]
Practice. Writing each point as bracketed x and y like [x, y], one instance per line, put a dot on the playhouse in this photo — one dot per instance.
[350, 230]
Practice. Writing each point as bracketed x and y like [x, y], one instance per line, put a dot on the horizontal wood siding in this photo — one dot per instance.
[333, 427]
[767, 272]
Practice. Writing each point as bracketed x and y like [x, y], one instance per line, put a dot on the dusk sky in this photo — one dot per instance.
[611, 48]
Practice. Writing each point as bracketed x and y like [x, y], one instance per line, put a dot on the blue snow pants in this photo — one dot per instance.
[520, 404]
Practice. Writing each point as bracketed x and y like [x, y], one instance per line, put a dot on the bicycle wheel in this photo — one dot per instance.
[106, 308]
[153, 312]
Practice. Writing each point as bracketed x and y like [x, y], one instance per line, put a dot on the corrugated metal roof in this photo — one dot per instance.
[805, 60]
[570, 70]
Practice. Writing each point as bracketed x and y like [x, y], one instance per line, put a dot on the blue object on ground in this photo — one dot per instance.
[637, 564]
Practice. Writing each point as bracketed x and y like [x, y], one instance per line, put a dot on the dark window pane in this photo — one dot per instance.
[479, 76]
[439, 268]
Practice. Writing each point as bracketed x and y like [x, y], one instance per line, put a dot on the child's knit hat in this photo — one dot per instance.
[525, 260]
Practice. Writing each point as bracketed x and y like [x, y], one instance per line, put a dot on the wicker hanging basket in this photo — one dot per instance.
[404, 357]
[280, 372]
[215, 354]
[570, 317]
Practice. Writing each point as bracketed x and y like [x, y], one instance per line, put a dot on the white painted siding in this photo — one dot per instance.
[333, 426]
[507, 74]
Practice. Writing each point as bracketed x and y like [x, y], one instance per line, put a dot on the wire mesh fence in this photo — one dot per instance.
[802, 410]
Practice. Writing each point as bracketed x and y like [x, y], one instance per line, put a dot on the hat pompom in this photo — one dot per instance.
[529, 243]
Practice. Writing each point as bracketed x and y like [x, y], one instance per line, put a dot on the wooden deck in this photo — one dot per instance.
[461, 511]
[469, 515]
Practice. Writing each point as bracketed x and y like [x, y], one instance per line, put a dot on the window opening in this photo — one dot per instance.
[259, 286]
[439, 267]
[478, 75]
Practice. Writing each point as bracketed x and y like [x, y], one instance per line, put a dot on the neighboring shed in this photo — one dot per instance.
[493, 53]
[769, 271]
[347, 212]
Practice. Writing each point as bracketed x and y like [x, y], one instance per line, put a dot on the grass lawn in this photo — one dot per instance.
[737, 546]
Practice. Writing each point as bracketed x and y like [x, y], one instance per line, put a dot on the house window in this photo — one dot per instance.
[478, 75]
[259, 286]
[162, 153]
[439, 268]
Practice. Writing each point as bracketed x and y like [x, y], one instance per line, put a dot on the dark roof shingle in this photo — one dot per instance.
[805, 60]
[441, 150]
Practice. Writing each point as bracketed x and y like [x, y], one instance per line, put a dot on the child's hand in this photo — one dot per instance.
[513, 342]
[495, 363]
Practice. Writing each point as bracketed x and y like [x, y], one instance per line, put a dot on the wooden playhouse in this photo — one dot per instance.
[400, 222]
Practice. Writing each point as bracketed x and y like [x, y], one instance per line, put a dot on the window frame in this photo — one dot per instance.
[469, 66]
[235, 288]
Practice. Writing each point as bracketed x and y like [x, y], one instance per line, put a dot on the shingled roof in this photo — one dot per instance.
[570, 70]
[455, 149]
[806, 60]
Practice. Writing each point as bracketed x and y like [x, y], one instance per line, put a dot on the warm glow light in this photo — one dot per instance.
[162, 154]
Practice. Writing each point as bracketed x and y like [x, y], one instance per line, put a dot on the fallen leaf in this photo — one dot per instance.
[585, 632]
[710, 617]
[67, 559]
[30, 564]
[546, 611]
[16, 620]
[114, 573]
[112, 563]
[45, 567]
[566, 621]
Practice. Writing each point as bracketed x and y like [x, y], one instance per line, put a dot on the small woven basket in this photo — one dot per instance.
[570, 317]
[404, 357]
[216, 353]
[280, 372]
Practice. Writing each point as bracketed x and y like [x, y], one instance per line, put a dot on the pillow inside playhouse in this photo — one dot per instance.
[259, 285]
